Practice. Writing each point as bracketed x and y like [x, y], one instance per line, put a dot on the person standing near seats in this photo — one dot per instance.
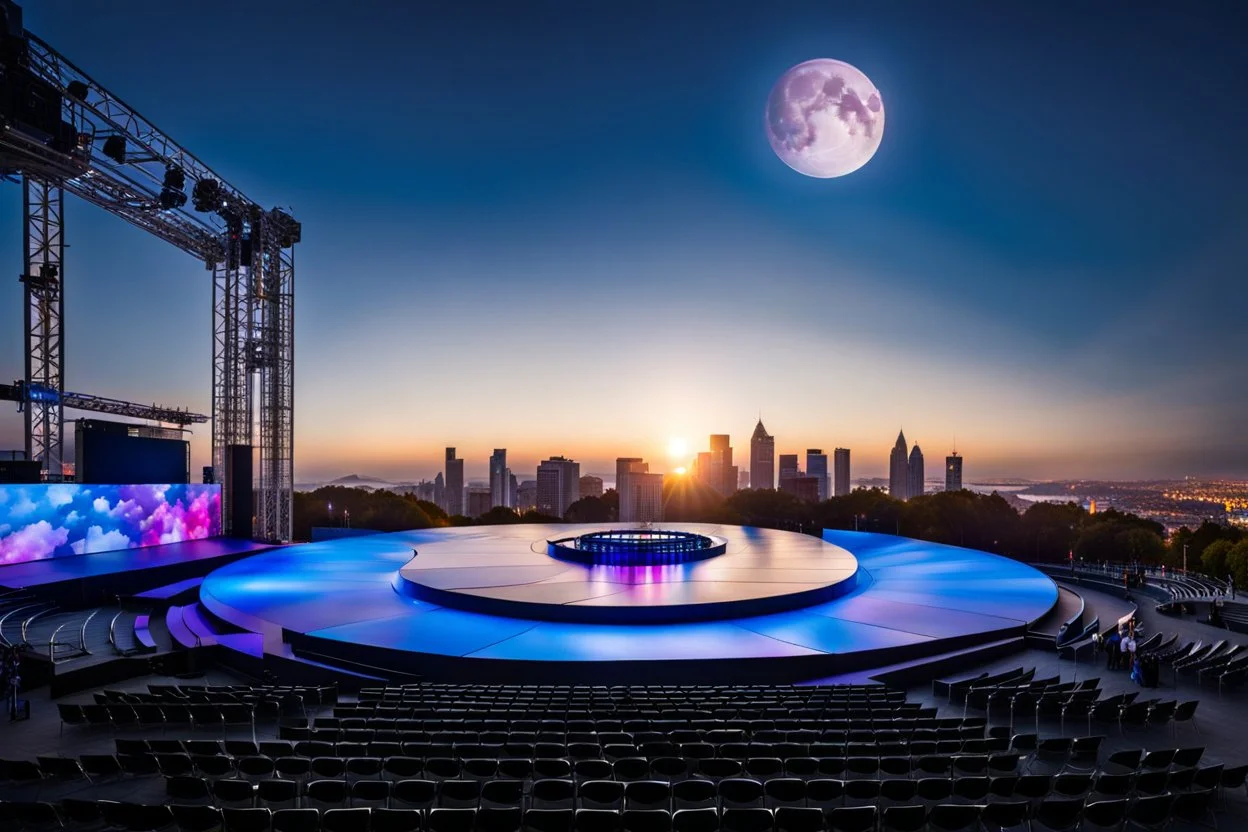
[13, 679]
[1128, 651]
[1113, 646]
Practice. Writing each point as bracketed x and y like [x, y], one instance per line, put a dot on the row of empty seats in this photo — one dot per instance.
[1052, 813]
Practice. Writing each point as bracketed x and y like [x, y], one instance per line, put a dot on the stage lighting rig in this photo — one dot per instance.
[172, 192]
[64, 133]
[206, 195]
[289, 230]
[175, 178]
[115, 149]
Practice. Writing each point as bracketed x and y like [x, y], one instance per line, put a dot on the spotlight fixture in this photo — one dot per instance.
[170, 198]
[290, 230]
[115, 149]
[206, 195]
[76, 90]
[175, 178]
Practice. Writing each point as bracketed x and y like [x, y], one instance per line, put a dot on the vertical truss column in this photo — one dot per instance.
[44, 307]
[273, 280]
[231, 377]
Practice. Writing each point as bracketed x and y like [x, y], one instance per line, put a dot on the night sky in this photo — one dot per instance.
[559, 228]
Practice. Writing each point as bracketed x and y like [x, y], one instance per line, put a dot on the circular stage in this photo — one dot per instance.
[619, 574]
[357, 602]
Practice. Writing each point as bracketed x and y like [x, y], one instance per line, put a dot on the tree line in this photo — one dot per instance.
[1045, 532]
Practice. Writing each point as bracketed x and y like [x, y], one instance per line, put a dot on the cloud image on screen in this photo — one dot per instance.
[65, 519]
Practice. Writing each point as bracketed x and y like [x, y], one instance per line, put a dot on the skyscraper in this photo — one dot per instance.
[500, 479]
[788, 469]
[526, 496]
[817, 467]
[478, 500]
[803, 488]
[454, 483]
[641, 499]
[840, 466]
[762, 458]
[723, 474]
[899, 469]
[439, 491]
[558, 485]
[702, 467]
[914, 478]
[626, 468]
[953, 472]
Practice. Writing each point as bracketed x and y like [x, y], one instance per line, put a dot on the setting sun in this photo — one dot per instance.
[680, 472]
[677, 448]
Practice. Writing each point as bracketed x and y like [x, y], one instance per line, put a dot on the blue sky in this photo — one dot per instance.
[559, 228]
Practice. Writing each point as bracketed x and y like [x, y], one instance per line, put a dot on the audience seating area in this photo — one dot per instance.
[464, 758]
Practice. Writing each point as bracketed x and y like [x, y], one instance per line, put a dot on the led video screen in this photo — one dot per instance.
[65, 519]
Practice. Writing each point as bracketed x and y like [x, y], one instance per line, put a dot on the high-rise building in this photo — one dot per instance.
[914, 474]
[803, 488]
[953, 472]
[512, 488]
[702, 467]
[591, 486]
[840, 469]
[899, 469]
[762, 458]
[454, 483]
[722, 475]
[478, 500]
[641, 500]
[788, 469]
[743, 480]
[526, 496]
[499, 479]
[558, 485]
[439, 491]
[625, 465]
[817, 467]
[626, 468]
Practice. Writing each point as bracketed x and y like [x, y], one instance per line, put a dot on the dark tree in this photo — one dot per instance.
[497, 516]
[589, 510]
[1049, 531]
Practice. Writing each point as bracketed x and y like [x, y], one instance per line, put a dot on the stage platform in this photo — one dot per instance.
[125, 571]
[342, 600]
[509, 573]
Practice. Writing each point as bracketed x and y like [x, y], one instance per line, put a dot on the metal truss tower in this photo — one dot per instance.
[63, 132]
[44, 311]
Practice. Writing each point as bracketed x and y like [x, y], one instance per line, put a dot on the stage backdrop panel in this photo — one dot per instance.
[64, 519]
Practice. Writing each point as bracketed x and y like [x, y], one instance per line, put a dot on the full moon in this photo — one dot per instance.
[824, 118]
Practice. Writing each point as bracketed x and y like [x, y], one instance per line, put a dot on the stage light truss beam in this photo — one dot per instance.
[247, 250]
[26, 396]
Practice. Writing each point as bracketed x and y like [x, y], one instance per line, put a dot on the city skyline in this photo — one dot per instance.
[1011, 276]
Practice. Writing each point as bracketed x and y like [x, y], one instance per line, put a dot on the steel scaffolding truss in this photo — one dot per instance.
[24, 394]
[98, 148]
[44, 310]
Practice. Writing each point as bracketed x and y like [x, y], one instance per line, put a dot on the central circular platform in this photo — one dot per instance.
[636, 547]
[621, 574]
[336, 602]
